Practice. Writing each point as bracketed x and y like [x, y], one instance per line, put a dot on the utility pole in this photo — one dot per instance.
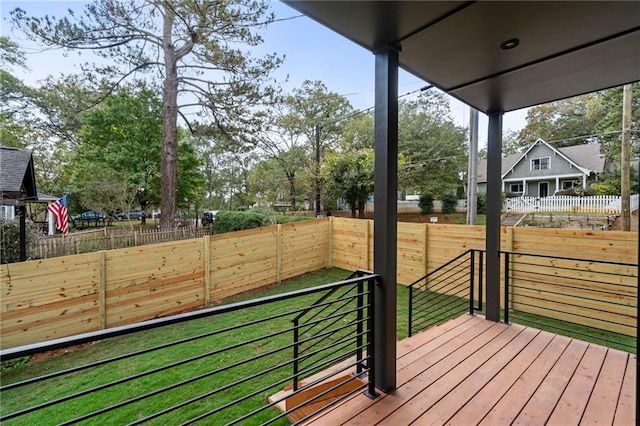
[625, 158]
[472, 170]
[318, 128]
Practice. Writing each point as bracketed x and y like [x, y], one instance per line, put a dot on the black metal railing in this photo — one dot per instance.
[216, 365]
[591, 300]
[447, 292]
[326, 327]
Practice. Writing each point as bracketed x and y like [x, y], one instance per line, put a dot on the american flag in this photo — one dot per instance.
[59, 211]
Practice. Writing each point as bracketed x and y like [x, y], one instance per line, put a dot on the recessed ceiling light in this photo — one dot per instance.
[510, 44]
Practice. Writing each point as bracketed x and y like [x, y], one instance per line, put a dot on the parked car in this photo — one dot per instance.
[209, 217]
[132, 215]
[90, 215]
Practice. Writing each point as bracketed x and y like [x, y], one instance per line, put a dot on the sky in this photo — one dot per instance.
[312, 52]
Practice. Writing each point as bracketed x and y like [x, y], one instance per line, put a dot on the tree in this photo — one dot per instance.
[115, 165]
[432, 146]
[349, 175]
[609, 126]
[291, 139]
[563, 123]
[192, 46]
[122, 135]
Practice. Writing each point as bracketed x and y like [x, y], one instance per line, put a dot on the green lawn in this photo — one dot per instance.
[36, 393]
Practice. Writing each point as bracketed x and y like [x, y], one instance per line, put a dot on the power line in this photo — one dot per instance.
[362, 111]
[586, 136]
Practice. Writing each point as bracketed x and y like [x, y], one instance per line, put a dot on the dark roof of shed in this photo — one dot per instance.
[17, 175]
[566, 48]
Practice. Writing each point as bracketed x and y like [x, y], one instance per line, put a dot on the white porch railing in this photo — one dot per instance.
[609, 204]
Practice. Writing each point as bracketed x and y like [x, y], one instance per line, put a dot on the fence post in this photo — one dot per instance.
[278, 253]
[369, 265]
[102, 291]
[425, 249]
[330, 259]
[207, 271]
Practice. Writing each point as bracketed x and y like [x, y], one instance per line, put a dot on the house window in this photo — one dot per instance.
[568, 184]
[516, 188]
[540, 163]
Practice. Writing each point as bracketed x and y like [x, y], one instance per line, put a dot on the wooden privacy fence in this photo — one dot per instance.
[51, 298]
[106, 239]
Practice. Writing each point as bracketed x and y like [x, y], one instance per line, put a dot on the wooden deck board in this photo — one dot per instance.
[571, 405]
[470, 371]
[604, 398]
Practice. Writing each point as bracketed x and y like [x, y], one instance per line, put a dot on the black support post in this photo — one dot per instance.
[385, 214]
[494, 209]
[22, 214]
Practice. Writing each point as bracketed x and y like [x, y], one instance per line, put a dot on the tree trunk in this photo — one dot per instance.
[362, 204]
[353, 209]
[169, 165]
[292, 189]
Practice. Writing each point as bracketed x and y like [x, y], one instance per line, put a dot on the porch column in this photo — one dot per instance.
[494, 208]
[385, 214]
[557, 185]
[584, 181]
[524, 187]
[21, 209]
[51, 219]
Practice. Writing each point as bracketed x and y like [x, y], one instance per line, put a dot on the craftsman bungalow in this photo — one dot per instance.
[543, 170]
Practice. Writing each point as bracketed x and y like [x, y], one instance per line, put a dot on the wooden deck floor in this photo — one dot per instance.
[471, 371]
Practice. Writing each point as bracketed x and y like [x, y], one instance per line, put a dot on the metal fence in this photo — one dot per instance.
[216, 365]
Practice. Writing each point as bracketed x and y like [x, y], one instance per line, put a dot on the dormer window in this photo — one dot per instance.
[543, 163]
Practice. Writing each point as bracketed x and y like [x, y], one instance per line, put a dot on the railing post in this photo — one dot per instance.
[506, 287]
[410, 311]
[371, 388]
[295, 354]
[472, 280]
[480, 279]
[359, 337]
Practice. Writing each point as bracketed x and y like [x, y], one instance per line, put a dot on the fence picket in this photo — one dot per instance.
[108, 239]
[608, 204]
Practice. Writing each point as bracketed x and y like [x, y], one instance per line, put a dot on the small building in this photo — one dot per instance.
[542, 170]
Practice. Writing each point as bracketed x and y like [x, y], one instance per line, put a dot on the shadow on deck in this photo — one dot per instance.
[471, 371]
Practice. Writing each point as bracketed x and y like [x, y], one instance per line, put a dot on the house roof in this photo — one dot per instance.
[586, 157]
[507, 163]
[564, 48]
[17, 175]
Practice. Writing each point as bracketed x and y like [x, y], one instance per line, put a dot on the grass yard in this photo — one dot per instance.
[196, 372]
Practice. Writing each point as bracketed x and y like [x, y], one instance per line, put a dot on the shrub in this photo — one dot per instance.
[481, 203]
[426, 203]
[449, 203]
[10, 237]
[229, 221]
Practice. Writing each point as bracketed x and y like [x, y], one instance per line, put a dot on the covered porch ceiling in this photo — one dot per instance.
[563, 48]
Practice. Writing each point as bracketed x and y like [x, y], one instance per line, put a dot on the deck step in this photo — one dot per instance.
[345, 384]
